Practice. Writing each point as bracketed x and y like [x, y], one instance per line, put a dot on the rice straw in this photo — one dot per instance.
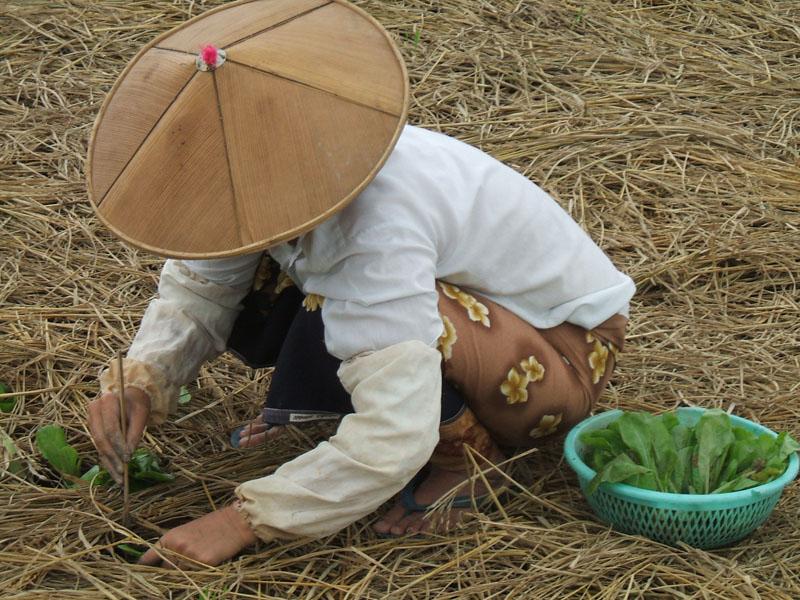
[669, 130]
[123, 422]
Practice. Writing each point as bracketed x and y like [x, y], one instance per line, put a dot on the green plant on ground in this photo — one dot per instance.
[143, 468]
[8, 402]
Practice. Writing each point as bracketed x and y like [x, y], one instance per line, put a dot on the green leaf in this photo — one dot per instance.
[647, 481]
[605, 439]
[7, 404]
[717, 467]
[634, 428]
[142, 460]
[600, 458]
[786, 446]
[97, 475]
[682, 436]
[185, 397]
[669, 419]
[52, 443]
[740, 483]
[155, 476]
[744, 449]
[618, 470]
[130, 550]
[665, 454]
[768, 474]
[145, 471]
[729, 472]
[714, 439]
[683, 470]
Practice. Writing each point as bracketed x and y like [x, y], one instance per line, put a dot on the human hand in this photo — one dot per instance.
[210, 540]
[104, 425]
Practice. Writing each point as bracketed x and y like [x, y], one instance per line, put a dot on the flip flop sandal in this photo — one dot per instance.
[410, 505]
[236, 436]
[412, 486]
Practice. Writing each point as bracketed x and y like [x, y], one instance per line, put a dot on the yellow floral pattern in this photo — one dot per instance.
[598, 358]
[547, 425]
[450, 291]
[533, 368]
[313, 302]
[477, 311]
[284, 282]
[515, 387]
[448, 339]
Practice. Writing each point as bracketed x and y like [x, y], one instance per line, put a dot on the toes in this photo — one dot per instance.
[274, 431]
[402, 526]
[437, 523]
[417, 523]
[251, 441]
[254, 427]
[390, 519]
[382, 526]
[445, 521]
[257, 435]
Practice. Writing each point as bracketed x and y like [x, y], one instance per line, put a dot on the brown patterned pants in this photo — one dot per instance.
[520, 383]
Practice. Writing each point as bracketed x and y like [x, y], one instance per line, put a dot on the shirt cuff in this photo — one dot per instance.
[149, 379]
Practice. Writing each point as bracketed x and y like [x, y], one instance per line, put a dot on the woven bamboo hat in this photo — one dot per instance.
[246, 126]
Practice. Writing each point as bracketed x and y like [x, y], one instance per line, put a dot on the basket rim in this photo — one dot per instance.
[686, 500]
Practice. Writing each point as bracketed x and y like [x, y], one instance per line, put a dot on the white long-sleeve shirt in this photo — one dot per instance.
[438, 209]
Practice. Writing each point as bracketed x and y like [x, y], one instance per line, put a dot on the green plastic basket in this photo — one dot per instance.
[700, 520]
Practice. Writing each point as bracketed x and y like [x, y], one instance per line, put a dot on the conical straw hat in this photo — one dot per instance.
[300, 109]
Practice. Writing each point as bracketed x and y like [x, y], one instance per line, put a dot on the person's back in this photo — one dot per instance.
[440, 209]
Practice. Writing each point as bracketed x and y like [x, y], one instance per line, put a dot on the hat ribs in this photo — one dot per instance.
[294, 124]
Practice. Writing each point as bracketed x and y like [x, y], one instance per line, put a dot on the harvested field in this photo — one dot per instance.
[669, 129]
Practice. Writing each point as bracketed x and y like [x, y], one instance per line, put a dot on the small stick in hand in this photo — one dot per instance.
[123, 419]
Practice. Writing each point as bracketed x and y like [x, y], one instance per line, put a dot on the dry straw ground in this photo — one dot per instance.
[669, 129]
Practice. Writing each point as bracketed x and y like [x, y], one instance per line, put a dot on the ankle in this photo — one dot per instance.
[460, 436]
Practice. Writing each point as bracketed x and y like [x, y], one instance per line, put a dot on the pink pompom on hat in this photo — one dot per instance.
[210, 58]
[246, 126]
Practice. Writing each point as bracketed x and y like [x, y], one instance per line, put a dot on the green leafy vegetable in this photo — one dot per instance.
[8, 403]
[144, 469]
[634, 428]
[714, 439]
[664, 452]
[622, 468]
[97, 476]
[52, 443]
[786, 446]
[682, 471]
[661, 453]
[682, 436]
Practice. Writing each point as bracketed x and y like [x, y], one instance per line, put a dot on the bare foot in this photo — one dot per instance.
[436, 484]
[256, 432]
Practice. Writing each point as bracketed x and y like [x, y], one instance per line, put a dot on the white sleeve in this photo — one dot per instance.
[396, 394]
[186, 325]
